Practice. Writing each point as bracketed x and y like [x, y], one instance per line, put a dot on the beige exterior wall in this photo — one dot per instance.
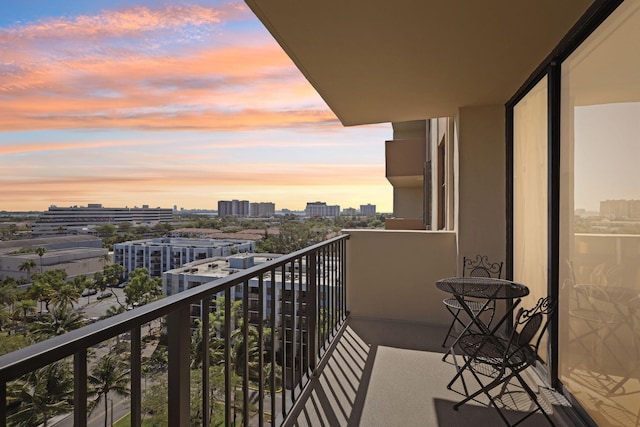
[392, 274]
[408, 202]
[405, 157]
[481, 180]
[73, 261]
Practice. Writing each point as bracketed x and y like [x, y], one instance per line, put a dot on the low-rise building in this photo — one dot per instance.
[74, 254]
[80, 219]
[164, 254]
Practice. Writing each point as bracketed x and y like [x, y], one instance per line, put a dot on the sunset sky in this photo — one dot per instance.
[168, 103]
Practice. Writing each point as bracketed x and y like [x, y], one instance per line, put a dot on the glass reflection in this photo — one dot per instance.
[600, 222]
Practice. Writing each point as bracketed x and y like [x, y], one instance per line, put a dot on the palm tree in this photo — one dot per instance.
[67, 295]
[25, 307]
[5, 317]
[40, 251]
[41, 291]
[27, 266]
[105, 258]
[8, 293]
[109, 375]
[43, 393]
[60, 320]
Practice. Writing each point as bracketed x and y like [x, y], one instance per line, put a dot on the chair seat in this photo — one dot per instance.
[596, 316]
[491, 349]
[473, 305]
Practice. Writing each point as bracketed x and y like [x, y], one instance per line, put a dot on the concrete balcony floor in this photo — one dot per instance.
[388, 373]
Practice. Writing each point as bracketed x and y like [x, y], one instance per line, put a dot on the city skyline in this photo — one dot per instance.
[168, 103]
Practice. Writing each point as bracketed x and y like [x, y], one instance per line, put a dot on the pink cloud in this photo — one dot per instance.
[130, 22]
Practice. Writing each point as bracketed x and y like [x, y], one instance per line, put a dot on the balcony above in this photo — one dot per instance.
[405, 160]
[380, 61]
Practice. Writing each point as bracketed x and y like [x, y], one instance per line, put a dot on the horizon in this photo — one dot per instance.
[168, 103]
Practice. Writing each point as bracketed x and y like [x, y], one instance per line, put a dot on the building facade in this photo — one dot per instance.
[620, 209]
[78, 219]
[237, 208]
[164, 254]
[368, 209]
[262, 209]
[74, 254]
[321, 209]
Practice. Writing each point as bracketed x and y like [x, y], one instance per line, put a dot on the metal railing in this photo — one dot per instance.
[248, 348]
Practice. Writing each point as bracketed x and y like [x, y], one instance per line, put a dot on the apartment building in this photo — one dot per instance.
[237, 208]
[368, 209]
[164, 254]
[284, 293]
[321, 209]
[262, 209]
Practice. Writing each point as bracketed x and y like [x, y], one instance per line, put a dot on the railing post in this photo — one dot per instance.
[3, 404]
[312, 309]
[204, 318]
[179, 375]
[80, 388]
[136, 375]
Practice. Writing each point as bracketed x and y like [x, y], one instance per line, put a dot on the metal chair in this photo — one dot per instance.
[478, 267]
[502, 359]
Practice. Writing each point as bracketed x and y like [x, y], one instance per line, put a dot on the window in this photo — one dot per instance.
[599, 337]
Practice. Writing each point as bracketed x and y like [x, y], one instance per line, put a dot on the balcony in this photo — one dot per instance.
[370, 351]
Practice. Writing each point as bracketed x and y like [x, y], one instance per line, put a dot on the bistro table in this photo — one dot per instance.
[486, 289]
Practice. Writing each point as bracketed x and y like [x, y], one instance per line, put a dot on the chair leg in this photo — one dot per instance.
[455, 318]
[534, 398]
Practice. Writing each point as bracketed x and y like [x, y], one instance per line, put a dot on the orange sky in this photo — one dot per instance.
[168, 105]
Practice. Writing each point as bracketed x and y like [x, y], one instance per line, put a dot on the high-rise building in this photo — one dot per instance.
[321, 209]
[620, 209]
[237, 208]
[262, 209]
[368, 209]
[349, 211]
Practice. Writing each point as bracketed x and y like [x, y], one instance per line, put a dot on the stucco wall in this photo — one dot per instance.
[481, 221]
[392, 274]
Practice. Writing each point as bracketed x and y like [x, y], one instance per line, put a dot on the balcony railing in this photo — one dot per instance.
[263, 401]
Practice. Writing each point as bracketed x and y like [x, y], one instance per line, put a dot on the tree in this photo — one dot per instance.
[80, 282]
[25, 307]
[112, 274]
[45, 285]
[109, 375]
[99, 282]
[5, 317]
[105, 258]
[43, 393]
[106, 231]
[8, 293]
[140, 286]
[28, 266]
[60, 320]
[66, 295]
[40, 291]
[40, 251]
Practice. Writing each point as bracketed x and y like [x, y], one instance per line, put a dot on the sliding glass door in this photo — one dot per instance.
[530, 194]
[599, 316]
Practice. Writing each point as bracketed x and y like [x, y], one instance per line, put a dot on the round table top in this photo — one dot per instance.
[482, 287]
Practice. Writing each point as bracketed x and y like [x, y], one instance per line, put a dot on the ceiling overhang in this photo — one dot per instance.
[379, 61]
